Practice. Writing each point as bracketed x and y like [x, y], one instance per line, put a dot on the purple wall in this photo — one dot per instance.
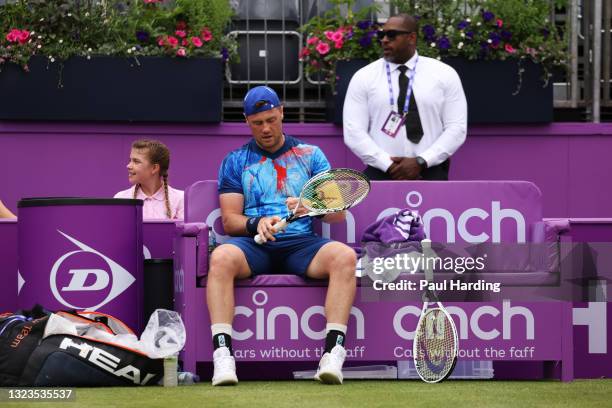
[567, 161]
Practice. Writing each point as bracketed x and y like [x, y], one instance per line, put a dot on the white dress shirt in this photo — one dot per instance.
[442, 108]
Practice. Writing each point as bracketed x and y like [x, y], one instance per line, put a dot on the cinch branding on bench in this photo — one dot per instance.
[455, 223]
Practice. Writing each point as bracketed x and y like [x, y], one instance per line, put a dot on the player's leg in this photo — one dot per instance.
[334, 261]
[228, 263]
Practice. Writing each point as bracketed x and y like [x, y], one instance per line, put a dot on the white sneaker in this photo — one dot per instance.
[225, 367]
[330, 366]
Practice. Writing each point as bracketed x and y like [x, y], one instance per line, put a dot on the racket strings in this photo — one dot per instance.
[335, 191]
[435, 347]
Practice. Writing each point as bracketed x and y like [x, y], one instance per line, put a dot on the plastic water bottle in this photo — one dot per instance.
[170, 371]
[187, 378]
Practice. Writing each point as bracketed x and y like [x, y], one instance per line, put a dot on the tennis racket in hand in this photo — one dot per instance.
[332, 191]
[436, 345]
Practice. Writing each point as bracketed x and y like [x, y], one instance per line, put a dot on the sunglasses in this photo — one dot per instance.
[391, 34]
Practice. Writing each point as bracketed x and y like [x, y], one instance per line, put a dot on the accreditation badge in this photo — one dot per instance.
[393, 123]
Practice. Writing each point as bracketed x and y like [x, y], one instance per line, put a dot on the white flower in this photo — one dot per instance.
[87, 14]
[133, 48]
[460, 45]
[489, 41]
[39, 37]
[129, 50]
[433, 44]
[438, 58]
[42, 19]
[440, 19]
[462, 34]
[89, 50]
[478, 24]
[52, 59]
[39, 46]
[69, 14]
[32, 33]
[416, 6]
[61, 41]
[469, 20]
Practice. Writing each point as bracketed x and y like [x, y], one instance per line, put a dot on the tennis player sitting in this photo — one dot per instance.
[258, 184]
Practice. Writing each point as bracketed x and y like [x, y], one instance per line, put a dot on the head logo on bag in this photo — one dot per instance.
[87, 272]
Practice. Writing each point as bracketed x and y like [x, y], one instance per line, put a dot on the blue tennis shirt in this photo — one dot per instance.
[267, 179]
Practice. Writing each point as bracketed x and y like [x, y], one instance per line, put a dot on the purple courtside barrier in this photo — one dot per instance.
[82, 253]
[281, 318]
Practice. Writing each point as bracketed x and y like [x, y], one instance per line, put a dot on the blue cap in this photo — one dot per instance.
[260, 99]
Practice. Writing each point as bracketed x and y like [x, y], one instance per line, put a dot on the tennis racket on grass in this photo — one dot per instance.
[436, 345]
[328, 192]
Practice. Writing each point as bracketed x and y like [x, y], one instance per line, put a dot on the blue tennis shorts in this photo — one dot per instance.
[286, 255]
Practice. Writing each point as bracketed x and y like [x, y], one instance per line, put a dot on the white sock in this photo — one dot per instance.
[219, 328]
[335, 326]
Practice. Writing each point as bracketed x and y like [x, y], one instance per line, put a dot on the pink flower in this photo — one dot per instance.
[180, 33]
[23, 36]
[196, 42]
[151, 1]
[314, 63]
[337, 36]
[312, 40]
[329, 35]
[161, 41]
[304, 52]
[322, 48]
[172, 41]
[206, 35]
[13, 35]
[338, 44]
[509, 49]
[500, 23]
[181, 52]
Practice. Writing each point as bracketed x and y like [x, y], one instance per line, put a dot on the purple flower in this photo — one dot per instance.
[365, 41]
[487, 16]
[469, 34]
[443, 43]
[545, 32]
[495, 39]
[142, 36]
[429, 31]
[484, 49]
[506, 35]
[364, 24]
[462, 25]
[224, 54]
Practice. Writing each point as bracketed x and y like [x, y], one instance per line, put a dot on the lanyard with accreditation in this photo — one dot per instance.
[395, 120]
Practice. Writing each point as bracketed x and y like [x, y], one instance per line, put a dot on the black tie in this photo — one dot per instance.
[414, 130]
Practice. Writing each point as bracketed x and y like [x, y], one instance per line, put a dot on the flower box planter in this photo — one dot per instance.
[489, 88]
[154, 89]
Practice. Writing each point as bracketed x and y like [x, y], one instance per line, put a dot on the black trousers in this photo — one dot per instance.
[439, 172]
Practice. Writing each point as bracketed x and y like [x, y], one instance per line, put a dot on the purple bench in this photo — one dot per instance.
[280, 317]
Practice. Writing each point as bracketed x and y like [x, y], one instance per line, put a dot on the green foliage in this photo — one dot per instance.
[334, 37]
[60, 29]
[488, 29]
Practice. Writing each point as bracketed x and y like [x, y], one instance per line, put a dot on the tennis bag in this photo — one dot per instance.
[29, 358]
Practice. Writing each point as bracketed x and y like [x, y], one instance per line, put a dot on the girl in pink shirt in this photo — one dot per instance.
[148, 172]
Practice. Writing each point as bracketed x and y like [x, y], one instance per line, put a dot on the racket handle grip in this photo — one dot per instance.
[278, 227]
